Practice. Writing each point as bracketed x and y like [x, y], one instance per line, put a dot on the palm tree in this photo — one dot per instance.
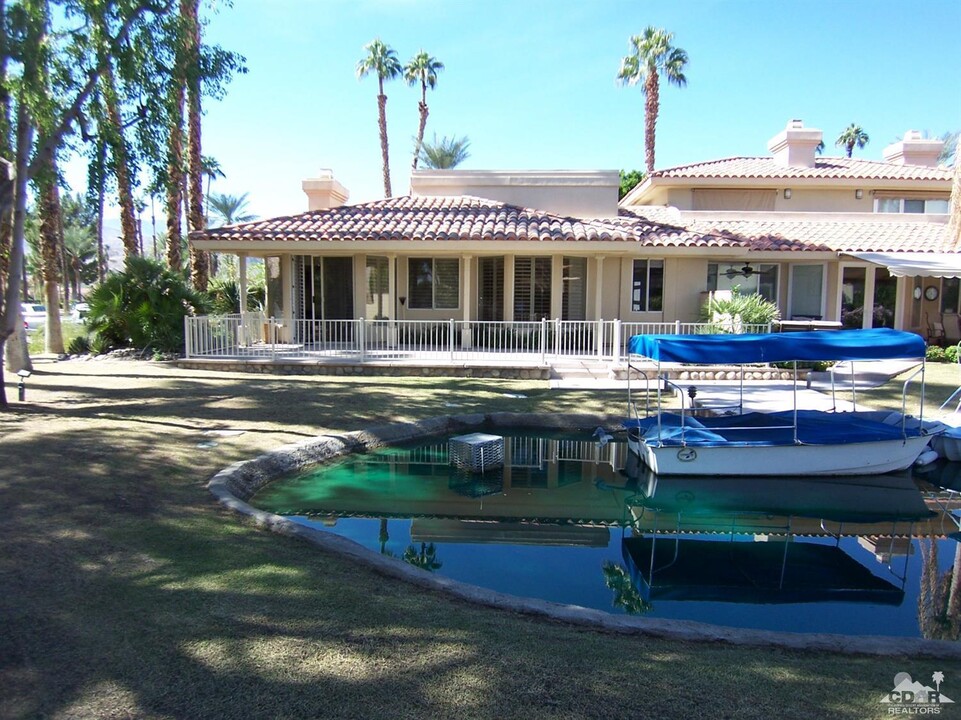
[81, 250]
[51, 244]
[652, 55]
[230, 209]
[422, 69]
[199, 262]
[212, 171]
[382, 61]
[444, 154]
[852, 136]
[425, 559]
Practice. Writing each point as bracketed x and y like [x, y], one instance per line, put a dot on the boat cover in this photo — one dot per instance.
[814, 427]
[874, 344]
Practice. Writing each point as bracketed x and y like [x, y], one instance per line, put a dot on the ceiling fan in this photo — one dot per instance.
[745, 271]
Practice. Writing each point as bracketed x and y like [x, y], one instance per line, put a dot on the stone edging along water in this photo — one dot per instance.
[234, 485]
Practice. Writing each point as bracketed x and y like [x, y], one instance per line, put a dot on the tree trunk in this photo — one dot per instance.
[651, 106]
[954, 233]
[118, 146]
[175, 175]
[199, 262]
[11, 305]
[382, 122]
[51, 245]
[101, 201]
[420, 133]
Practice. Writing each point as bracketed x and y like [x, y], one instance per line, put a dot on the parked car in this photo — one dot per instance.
[79, 312]
[34, 316]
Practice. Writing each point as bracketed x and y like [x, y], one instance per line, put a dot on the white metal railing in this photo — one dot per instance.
[255, 336]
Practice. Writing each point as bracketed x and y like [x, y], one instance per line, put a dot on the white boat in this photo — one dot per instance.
[786, 442]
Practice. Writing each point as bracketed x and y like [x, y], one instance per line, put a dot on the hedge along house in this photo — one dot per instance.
[546, 264]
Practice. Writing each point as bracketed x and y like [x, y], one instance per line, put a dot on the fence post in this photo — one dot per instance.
[600, 339]
[677, 327]
[557, 337]
[188, 340]
[543, 341]
[362, 339]
[616, 343]
[272, 336]
[450, 326]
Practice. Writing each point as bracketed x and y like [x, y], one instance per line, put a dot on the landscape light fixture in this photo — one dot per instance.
[787, 193]
[22, 385]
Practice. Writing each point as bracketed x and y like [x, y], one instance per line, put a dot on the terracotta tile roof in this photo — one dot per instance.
[471, 219]
[460, 218]
[824, 168]
[769, 233]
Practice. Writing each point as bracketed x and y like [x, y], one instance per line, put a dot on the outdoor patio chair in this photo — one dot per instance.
[935, 325]
[952, 328]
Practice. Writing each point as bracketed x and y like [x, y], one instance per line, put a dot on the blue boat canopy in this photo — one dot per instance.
[875, 344]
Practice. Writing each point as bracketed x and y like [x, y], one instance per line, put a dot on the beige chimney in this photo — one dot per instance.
[795, 145]
[914, 150]
[323, 192]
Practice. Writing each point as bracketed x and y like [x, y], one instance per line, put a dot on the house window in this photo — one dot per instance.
[927, 206]
[807, 292]
[647, 288]
[574, 300]
[532, 288]
[433, 283]
[727, 276]
[950, 294]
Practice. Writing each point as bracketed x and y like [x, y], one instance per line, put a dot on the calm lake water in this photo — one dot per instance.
[574, 522]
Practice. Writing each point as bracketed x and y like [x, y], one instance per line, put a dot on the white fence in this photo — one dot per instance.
[252, 335]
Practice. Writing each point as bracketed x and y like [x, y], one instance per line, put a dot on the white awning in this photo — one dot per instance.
[915, 264]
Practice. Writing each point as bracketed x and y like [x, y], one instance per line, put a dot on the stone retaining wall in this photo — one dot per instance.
[234, 485]
[315, 367]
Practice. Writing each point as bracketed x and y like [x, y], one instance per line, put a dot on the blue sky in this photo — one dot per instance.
[531, 83]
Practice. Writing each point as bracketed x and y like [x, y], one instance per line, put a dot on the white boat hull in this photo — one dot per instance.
[867, 458]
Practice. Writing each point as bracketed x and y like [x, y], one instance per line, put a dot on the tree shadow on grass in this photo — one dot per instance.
[128, 592]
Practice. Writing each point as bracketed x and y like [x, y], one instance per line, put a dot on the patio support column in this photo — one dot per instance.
[242, 271]
[868, 314]
[557, 287]
[392, 270]
[598, 287]
[509, 288]
[466, 339]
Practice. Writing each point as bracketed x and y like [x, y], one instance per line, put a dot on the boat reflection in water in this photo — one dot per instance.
[572, 521]
[762, 540]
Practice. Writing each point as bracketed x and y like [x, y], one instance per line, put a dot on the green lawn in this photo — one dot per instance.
[128, 592]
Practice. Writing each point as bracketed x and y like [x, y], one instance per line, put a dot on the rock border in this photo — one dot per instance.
[237, 483]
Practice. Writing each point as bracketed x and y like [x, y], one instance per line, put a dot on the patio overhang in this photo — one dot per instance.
[914, 264]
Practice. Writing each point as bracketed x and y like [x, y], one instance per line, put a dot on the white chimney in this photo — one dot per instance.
[914, 150]
[323, 192]
[795, 145]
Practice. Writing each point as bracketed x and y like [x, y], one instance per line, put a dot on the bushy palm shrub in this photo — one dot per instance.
[732, 314]
[225, 296]
[143, 306]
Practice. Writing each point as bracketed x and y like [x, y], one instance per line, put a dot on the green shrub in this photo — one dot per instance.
[143, 306]
[729, 315]
[935, 354]
[100, 345]
[225, 297]
[80, 345]
[951, 354]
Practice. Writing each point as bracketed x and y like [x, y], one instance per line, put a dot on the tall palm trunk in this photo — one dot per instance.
[118, 147]
[51, 251]
[199, 262]
[422, 107]
[382, 123]
[651, 107]
[175, 164]
[955, 224]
